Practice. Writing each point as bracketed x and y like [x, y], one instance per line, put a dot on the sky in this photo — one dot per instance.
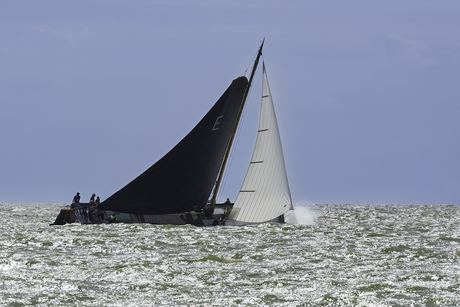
[367, 93]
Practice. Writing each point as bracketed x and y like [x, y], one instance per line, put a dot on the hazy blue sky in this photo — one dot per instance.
[367, 93]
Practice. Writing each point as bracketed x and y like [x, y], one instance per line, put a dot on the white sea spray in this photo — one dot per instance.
[301, 215]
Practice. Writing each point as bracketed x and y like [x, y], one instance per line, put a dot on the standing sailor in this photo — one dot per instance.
[99, 214]
[227, 207]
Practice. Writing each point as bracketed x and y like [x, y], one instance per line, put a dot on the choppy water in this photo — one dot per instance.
[351, 255]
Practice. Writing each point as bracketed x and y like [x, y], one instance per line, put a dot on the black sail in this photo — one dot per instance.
[182, 180]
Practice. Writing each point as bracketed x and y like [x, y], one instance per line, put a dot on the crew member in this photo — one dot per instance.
[227, 206]
[76, 200]
[112, 218]
[91, 200]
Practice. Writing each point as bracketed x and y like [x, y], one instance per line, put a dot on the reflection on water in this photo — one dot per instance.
[336, 255]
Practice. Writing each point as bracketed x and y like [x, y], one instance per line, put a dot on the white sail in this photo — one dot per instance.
[265, 193]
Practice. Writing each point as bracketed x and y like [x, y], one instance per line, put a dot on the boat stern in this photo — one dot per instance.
[66, 216]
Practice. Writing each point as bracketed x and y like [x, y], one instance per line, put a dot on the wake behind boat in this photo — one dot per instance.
[181, 188]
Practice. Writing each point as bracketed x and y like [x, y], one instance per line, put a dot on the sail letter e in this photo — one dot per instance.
[216, 123]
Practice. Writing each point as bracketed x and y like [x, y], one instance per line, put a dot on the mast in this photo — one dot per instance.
[232, 137]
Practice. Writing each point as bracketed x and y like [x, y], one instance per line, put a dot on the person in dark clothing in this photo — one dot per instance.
[76, 201]
[227, 207]
[76, 198]
[98, 201]
[91, 200]
[112, 219]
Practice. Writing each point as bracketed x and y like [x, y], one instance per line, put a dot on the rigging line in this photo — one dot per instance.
[235, 128]
[237, 137]
[250, 64]
[232, 154]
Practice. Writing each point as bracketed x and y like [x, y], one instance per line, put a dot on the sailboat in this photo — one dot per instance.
[181, 188]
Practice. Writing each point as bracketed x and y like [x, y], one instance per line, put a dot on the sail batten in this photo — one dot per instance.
[270, 195]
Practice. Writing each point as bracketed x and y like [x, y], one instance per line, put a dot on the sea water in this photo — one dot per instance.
[338, 255]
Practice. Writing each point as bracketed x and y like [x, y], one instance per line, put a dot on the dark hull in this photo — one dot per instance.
[67, 216]
[77, 215]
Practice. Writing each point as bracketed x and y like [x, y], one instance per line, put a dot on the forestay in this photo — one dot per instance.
[265, 193]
